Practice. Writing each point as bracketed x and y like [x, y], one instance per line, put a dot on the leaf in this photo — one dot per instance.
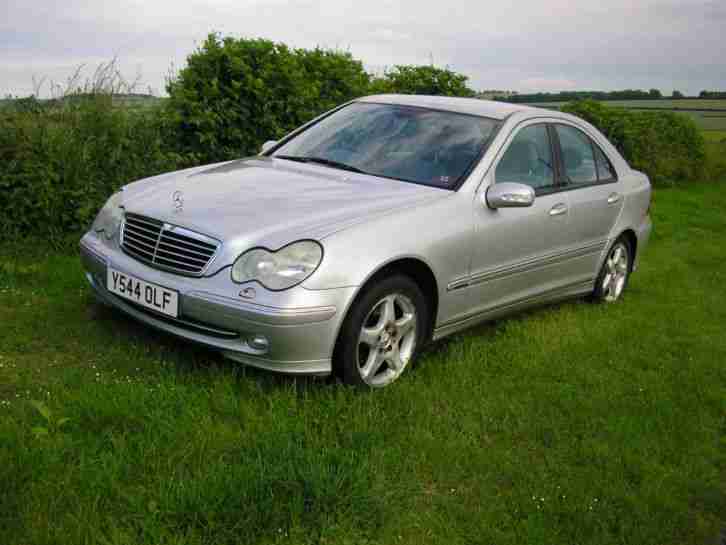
[39, 432]
[62, 421]
[42, 409]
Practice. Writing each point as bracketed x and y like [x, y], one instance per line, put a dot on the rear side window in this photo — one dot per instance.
[578, 159]
[528, 159]
[605, 170]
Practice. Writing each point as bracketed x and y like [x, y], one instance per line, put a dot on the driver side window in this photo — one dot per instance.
[528, 159]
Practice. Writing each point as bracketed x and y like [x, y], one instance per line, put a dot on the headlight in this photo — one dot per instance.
[278, 270]
[109, 218]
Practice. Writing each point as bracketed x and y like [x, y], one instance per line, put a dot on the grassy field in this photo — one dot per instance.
[715, 136]
[569, 424]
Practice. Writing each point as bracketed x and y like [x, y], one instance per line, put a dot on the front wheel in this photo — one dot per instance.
[614, 273]
[383, 333]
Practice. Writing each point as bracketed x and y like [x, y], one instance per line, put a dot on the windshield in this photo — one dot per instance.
[411, 144]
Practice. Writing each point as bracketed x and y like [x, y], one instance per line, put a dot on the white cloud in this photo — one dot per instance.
[535, 45]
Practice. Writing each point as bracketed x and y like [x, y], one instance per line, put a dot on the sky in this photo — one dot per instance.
[530, 45]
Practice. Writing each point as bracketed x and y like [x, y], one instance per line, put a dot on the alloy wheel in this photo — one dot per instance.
[616, 272]
[387, 340]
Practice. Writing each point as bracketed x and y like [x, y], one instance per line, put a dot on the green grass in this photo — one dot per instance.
[569, 424]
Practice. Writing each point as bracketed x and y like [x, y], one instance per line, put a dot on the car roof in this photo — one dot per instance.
[473, 106]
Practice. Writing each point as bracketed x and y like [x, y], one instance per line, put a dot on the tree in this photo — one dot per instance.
[654, 93]
[236, 93]
[423, 80]
[677, 94]
[712, 94]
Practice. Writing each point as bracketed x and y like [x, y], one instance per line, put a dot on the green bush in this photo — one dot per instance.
[236, 93]
[667, 146]
[61, 159]
[422, 80]
[716, 159]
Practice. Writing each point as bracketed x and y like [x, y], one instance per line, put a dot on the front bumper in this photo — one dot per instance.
[300, 325]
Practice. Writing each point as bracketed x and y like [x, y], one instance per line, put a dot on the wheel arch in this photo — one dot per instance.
[629, 235]
[411, 266]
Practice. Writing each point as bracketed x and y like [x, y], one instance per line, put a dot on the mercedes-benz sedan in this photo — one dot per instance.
[375, 228]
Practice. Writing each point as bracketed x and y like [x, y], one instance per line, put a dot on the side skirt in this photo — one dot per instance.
[565, 292]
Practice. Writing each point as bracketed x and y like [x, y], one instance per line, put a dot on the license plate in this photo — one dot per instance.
[143, 293]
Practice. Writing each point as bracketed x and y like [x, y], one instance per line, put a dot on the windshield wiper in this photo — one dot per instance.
[322, 161]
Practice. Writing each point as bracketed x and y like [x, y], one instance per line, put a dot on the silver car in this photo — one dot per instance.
[381, 225]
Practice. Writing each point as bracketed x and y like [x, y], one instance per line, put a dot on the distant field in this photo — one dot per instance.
[677, 104]
[137, 101]
[715, 136]
[128, 101]
[710, 114]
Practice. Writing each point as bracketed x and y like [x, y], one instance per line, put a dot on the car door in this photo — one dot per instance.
[593, 188]
[520, 253]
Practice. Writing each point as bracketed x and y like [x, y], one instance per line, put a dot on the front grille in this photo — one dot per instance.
[166, 246]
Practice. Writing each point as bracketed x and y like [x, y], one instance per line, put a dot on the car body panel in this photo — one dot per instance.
[267, 202]
[485, 262]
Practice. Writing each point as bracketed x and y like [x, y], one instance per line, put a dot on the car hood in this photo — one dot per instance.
[269, 202]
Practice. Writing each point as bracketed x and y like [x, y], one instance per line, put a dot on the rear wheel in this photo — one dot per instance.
[383, 332]
[614, 273]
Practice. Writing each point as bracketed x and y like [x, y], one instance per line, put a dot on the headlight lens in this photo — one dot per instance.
[278, 270]
[109, 217]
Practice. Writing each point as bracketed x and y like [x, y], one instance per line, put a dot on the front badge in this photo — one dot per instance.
[178, 199]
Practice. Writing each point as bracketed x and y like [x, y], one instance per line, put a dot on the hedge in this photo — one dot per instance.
[667, 146]
[62, 159]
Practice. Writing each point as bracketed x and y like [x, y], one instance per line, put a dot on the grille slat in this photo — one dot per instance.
[156, 224]
[148, 231]
[185, 246]
[133, 237]
[173, 263]
[193, 254]
[165, 246]
[136, 255]
[181, 239]
[144, 237]
[163, 254]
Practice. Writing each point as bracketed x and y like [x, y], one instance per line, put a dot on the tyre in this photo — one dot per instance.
[383, 332]
[614, 274]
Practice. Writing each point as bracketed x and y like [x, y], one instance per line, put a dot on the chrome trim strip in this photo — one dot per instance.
[176, 229]
[527, 265]
[457, 284]
[156, 246]
[450, 327]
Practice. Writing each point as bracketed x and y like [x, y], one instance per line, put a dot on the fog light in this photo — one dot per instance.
[259, 342]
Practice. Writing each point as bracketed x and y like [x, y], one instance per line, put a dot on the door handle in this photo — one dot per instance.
[613, 198]
[558, 209]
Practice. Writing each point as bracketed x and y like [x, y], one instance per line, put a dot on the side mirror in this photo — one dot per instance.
[267, 145]
[508, 195]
